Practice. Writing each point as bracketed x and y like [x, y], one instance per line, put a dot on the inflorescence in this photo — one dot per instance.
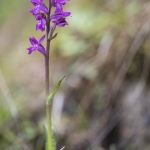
[43, 17]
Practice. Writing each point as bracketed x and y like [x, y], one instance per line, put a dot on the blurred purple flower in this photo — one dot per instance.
[59, 15]
[36, 45]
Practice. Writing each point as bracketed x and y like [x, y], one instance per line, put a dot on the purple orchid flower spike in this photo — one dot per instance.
[42, 13]
[48, 21]
[36, 45]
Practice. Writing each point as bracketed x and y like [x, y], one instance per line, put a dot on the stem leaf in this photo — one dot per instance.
[54, 36]
[51, 96]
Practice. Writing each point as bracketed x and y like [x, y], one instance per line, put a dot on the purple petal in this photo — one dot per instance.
[36, 10]
[41, 49]
[34, 2]
[62, 2]
[41, 39]
[41, 1]
[30, 50]
[38, 17]
[41, 25]
[44, 9]
[58, 8]
[37, 2]
[60, 15]
[60, 22]
[33, 41]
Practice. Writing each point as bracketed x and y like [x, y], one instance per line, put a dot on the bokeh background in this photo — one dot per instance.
[104, 101]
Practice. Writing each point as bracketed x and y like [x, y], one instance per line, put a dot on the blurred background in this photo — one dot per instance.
[104, 101]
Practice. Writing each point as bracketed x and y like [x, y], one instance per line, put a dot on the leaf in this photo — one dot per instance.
[51, 96]
[54, 36]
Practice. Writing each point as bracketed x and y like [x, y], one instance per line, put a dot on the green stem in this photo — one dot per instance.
[49, 125]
